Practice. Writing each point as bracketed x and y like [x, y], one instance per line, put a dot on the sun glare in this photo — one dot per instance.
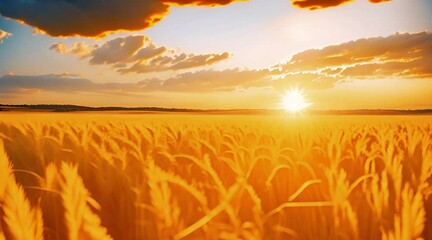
[294, 101]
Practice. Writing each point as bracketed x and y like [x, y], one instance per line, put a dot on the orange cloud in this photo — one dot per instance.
[204, 81]
[99, 18]
[379, 1]
[60, 48]
[320, 4]
[118, 50]
[93, 18]
[141, 52]
[79, 48]
[176, 62]
[4, 35]
[200, 2]
[397, 56]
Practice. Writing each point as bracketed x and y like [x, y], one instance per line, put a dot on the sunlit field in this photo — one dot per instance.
[172, 176]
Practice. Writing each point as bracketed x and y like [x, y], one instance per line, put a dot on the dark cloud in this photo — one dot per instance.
[139, 51]
[4, 35]
[93, 17]
[405, 55]
[320, 4]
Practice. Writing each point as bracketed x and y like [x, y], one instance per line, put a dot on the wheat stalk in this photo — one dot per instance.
[23, 222]
[81, 221]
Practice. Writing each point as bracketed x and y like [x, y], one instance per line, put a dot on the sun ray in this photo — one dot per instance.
[295, 101]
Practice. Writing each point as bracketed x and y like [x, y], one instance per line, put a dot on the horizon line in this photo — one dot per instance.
[73, 107]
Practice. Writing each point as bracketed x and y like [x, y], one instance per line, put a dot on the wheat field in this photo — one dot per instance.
[172, 176]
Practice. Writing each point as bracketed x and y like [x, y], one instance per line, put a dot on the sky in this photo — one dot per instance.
[217, 54]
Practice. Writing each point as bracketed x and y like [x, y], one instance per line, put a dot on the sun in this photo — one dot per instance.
[294, 101]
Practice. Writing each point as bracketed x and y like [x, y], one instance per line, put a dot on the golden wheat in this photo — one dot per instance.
[215, 177]
[80, 219]
[23, 222]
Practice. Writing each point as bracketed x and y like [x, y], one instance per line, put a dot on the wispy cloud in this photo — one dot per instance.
[405, 55]
[175, 62]
[4, 35]
[63, 83]
[211, 81]
[399, 56]
[201, 81]
[58, 83]
[80, 49]
[138, 54]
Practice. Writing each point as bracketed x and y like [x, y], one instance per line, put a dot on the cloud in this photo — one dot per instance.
[93, 18]
[80, 49]
[117, 50]
[99, 18]
[17, 84]
[60, 48]
[405, 55]
[141, 53]
[320, 4]
[210, 3]
[401, 56]
[205, 81]
[379, 1]
[210, 81]
[4, 35]
[176, 62]
[201, 81]
[63, 83]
